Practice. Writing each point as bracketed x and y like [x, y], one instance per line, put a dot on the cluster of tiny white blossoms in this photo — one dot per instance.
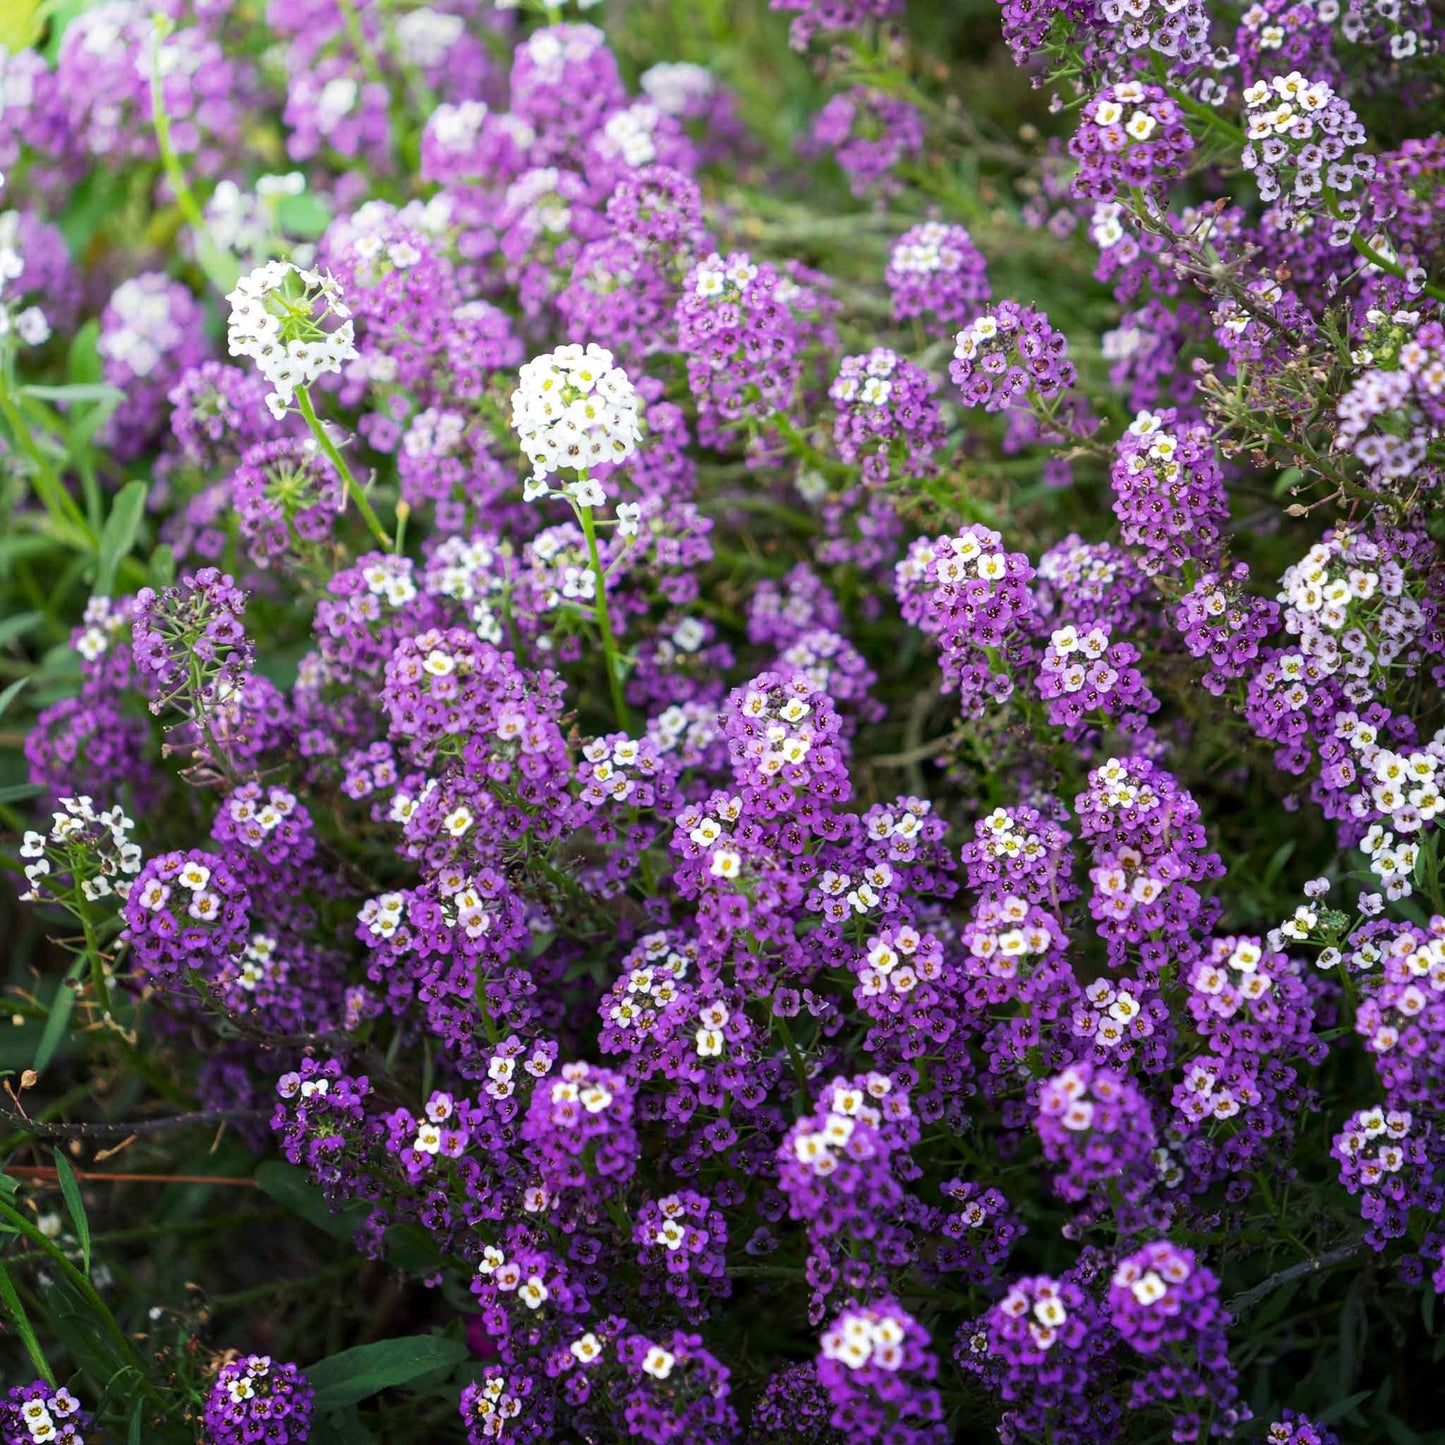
[502, 1071]
[561, 551]
[280, 316]
[41, 1414]
[1112, 1013]
[868, 384]
[1160, 457]
[786, 737]
[494, 1404]
[193, 878]
[925, 250]
[1351, 612]
[712, 833]
[629, 133]
[472, 571]
[573, 409]
[28, 322]
[242, 1385]
[819, 1148]
[728, 279]
[255, 961]
[1115, 788]
[430, 1139]
[675, 87]
[865, 1337]
[83, 850]
[672, 1233]
[967, 342]
[102, 623]
[1003, 838]
[257, 820]
[390, 578]
[1230, 979]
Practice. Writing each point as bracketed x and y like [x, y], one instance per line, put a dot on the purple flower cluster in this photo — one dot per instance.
[886, 413]
[41, 1413]
[257, 1398]
[937, 274]
[1129, 136]
[1010, 352]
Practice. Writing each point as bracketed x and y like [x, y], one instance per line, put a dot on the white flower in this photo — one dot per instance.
[276, 319]
[572, 410]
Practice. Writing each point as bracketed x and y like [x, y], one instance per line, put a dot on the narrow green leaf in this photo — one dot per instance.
[82, 361]
[12, 692]
[1341, 1408]
[20, 793]
[353, 1375]
[119, 534]
[58, 1019]
[137, 1419]
[70, 1188]
[74, 393]
[11, 1299]
[162, 569]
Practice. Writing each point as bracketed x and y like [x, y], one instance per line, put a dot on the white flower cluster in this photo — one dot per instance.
[507, 1276]
[92, 849]
[1149, 1285]
[1201, 1096]
[843, 897]
[573, 410]
[677, 88]
[728, 279]
[28, 322]
[103, 623]
[926, 250]
[629, 134]
[278, 316]
[819, 1148]
[41, 1414]
[865, 1337]
[256, 961]
[494, 1404]
[472, 571]
[424, 37]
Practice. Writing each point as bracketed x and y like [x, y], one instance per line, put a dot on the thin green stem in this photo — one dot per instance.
[611, 653]
[353, 487]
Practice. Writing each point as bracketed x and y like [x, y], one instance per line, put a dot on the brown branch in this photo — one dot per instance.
[1247, 1299]
[129, 1128]
[40, 1174]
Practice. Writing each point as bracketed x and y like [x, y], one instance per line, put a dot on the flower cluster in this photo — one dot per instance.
[1129, 135]
[41, 1414]
[1010, 352]
[256, 1397]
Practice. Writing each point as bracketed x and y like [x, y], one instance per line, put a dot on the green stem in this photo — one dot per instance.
[611, 654]
[353, 487]
[222, 270]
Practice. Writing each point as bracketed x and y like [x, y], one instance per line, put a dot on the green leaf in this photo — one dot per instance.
[70, 1188]
[305, 215]
[1341, 1408]
[17, 625]
[137, 1422]
[291, 1189]
[344, 1428]
[162, 570]
[120, 532]
[10, 1296]
[58, 1020]
[12, 692]
[20, 793]
[82, 362]
[19, 24]
[354, 1375]
[76, 392]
